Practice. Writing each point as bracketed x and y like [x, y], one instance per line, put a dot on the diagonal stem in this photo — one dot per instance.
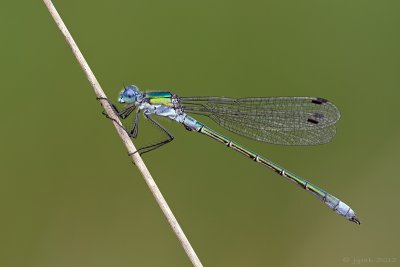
[137, 160]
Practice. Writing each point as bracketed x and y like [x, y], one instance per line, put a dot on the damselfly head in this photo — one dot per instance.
[129, 94]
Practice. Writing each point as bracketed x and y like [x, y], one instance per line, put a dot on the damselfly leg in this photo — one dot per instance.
[123, 114]
[134, 130]
[151, 147]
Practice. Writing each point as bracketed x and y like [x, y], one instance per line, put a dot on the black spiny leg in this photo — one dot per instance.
[123, 114]
[135, 130]
[149, 148]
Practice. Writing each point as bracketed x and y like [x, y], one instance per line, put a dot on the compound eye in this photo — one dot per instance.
[130, 93]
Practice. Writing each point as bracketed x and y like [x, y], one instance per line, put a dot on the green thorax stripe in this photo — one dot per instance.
[158, 95]
[159, 98]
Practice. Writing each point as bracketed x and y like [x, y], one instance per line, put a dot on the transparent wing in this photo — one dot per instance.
[276, 120]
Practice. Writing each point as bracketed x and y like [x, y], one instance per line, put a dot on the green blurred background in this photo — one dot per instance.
[71, 197]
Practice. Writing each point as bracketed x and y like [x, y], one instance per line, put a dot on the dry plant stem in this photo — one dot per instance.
[125, 138]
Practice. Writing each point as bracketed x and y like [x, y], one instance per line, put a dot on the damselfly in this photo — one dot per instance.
[276, 120]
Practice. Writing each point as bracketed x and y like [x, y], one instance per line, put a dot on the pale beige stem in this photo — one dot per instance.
[125, 138]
